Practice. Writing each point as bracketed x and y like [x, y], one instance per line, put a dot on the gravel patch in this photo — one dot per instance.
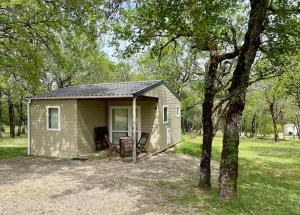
[34, 185]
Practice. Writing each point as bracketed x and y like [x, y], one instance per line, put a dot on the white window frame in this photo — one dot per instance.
[129, 108]
[163, 113]
[178, 111]
[47, 116]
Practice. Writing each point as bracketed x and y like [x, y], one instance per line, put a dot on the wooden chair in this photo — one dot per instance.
[100, 141]
[142, 142]
[112, 147]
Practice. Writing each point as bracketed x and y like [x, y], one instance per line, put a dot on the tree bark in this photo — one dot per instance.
[11, 116]
[207, 114]
[19, 108]
[274, 119]
[253, 126]
[237, 91]
[22, 118]
[297, 125]
[1, 120]
[283, 134]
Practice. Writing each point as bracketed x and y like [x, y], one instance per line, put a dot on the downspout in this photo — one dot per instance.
[28, 127]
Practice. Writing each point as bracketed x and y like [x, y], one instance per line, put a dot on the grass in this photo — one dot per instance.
[16, 147]
[269, 178]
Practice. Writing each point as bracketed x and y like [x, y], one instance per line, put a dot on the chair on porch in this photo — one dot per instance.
[100, 141]
[142, 142]
[112, 147]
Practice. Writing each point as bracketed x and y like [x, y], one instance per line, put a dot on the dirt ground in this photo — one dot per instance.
[34, 185]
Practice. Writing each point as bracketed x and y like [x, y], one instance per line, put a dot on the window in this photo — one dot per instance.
[53, 118]
[120, 122]
[165, 114]
[177, 111]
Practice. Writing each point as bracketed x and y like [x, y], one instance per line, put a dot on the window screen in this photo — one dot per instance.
[177, 111]
[53, 118]
[165, 116]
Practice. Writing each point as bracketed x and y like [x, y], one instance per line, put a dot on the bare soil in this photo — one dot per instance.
[34, 185]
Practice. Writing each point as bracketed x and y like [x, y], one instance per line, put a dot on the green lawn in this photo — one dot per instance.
[13, 147]
[269, 178]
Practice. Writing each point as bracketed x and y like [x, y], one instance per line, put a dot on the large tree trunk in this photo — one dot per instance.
[207, 114]
[1, 121]
[274, 120]
[11, 116]
[240, 81]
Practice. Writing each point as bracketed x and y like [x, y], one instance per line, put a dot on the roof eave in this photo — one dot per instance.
[142, 91]
[78, 97]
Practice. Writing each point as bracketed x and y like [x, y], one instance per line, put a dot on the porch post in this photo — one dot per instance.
[134, 128]
[28, 128]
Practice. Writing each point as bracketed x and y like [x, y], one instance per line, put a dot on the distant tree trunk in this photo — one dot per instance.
[283, 135]
[207, 121]
[297, 126]
[11, 116]
[1, 121]
[274, 119]
[253, 126]
[22, 118]
[240, 81]
[19, 108]
[244, 127]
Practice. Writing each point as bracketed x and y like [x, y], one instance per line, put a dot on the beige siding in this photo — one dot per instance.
[159, 130]
[61, 143]
[91, 114]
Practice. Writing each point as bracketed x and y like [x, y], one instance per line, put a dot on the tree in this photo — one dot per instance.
[1, 120]
[279, 22]
[275, 101]
[254, 110]
[33, 34]
[11, 114]
[289, 84]
[201, 26]
[29, 31]
[208, 26]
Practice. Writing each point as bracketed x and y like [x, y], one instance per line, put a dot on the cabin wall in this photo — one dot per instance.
[48, 143]
[91, 114]
[158, 139]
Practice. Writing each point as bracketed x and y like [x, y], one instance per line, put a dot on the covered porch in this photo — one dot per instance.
[122, 117]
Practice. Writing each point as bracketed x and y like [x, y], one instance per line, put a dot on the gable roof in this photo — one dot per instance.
[103, 90]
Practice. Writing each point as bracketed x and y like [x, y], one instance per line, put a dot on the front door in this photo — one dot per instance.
[120, 122]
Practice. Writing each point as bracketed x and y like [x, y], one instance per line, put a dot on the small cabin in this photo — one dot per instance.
[62, 122]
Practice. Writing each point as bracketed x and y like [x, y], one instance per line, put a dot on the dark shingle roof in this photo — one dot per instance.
[120, 89]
